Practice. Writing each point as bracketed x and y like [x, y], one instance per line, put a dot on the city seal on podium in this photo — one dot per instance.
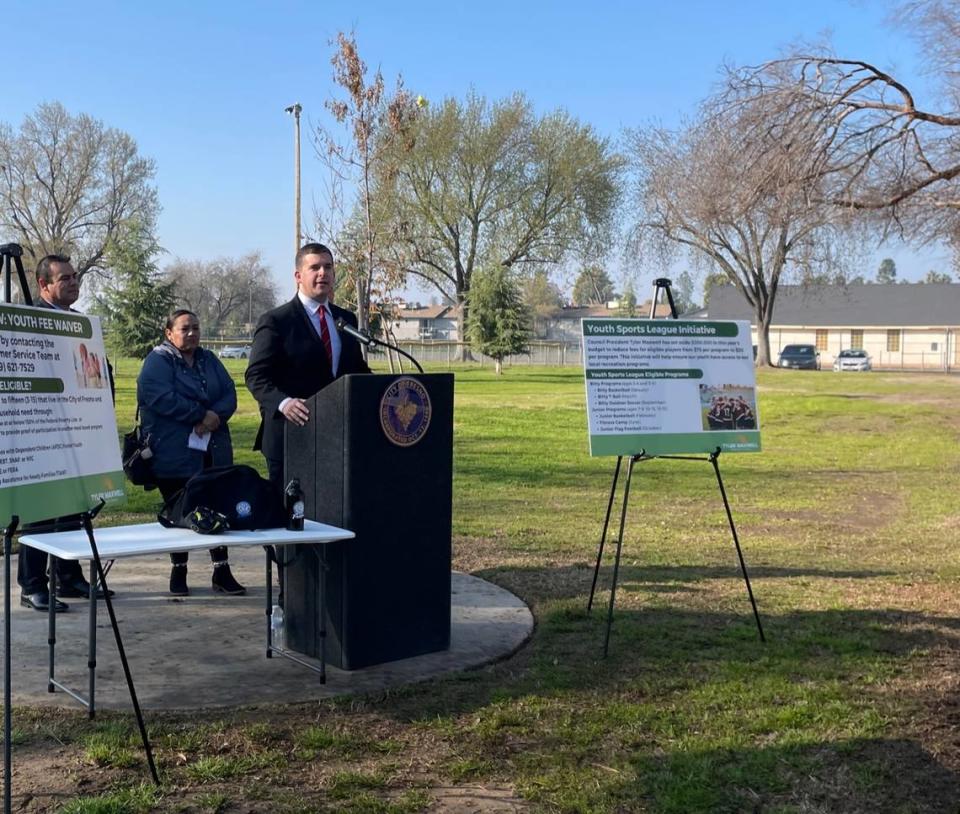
[405, 411]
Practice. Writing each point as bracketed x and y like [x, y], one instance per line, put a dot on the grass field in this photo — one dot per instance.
[848, 521]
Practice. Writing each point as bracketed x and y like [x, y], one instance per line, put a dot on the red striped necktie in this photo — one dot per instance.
[325, 334]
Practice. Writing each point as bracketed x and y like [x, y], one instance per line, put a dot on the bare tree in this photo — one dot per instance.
[226, 294]
[69, 184]
[378, 124]
[868, 145]
[717, 190]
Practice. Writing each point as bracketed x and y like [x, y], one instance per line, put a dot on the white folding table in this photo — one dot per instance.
[117, 542]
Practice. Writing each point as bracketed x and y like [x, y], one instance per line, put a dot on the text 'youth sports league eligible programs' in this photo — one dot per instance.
[664, 387]
[59, 452]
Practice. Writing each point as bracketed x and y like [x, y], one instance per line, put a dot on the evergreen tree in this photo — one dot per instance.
[499, 322]
[135, 302]
[887, 273]
[683, 296]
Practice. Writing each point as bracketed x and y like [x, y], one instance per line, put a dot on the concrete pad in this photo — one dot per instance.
[208, 650]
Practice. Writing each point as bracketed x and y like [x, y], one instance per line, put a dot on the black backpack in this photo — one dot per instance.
[237, 493]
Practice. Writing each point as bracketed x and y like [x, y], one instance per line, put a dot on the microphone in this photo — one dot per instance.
[365, 339]
[361, 336]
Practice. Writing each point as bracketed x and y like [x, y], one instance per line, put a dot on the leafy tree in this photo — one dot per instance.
[69, 184]
[592, 286]
[937, 277]
[134, 302]
[543, 299]
[628, 301]
[499, 324]
[887, 273]
[713, 279]
[227, 294]
[492, 184]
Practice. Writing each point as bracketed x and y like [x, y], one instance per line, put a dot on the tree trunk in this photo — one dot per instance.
[763, 344]
[463, 350]
[498, 366]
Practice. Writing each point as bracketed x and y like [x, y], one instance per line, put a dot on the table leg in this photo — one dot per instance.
[92, 639]
[323, 614]
[51, 620]
[269, 604]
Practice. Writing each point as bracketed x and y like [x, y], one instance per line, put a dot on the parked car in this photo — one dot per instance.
[235, 352]
[852, 359]
[800, 357]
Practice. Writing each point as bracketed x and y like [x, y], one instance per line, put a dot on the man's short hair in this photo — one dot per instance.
[310, 248]
[44, 272]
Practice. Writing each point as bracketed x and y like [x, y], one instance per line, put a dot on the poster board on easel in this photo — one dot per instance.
[59, 453]
[668, 387]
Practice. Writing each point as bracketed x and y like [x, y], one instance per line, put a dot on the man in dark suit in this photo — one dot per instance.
[59, 286]
[297, 351]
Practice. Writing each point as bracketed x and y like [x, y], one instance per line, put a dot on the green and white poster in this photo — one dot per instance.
[669, 387]
[58, 433]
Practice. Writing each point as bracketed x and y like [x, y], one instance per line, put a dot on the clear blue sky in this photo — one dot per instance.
[202, 85]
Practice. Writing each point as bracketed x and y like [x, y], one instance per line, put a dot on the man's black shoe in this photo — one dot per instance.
[78, 588]
[40, 601]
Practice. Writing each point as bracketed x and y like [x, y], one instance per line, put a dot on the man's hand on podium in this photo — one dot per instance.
[296, 411]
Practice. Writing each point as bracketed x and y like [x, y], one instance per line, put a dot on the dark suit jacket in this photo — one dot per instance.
[288, 360]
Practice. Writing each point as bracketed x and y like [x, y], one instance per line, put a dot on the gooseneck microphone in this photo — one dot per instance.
[365, 339]
[361, 336]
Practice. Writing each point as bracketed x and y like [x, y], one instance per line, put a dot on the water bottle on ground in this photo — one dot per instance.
[276, 626]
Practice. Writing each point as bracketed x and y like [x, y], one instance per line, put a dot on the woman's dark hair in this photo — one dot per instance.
[176, 315]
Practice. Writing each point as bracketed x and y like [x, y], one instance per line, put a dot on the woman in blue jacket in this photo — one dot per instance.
[186, 398]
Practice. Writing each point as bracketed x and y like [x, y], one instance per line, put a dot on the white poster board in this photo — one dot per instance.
[59, 452]
[666, 386]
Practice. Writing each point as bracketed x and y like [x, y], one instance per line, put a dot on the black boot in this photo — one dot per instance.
[223, 580]
[178, 579]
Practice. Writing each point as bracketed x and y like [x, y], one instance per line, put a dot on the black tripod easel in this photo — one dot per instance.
[661, 284]
[11, 256]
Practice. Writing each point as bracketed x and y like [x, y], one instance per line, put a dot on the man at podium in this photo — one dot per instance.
[297, 351]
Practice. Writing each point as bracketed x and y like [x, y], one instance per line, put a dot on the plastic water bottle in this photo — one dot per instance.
[276, 626]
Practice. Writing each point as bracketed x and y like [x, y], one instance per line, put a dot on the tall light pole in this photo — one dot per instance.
[295, 109]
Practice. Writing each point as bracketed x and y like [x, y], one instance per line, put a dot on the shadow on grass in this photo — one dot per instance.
[857, 776]
[690, 712]
[568, 582]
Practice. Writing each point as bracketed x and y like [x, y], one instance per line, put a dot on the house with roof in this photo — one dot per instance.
[412, 321]
[908, 325]
[564, 325]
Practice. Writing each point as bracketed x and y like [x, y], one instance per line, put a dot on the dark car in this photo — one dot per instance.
[800, 357]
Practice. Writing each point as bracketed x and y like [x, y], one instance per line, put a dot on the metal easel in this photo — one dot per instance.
[11, 255]
[664, 285]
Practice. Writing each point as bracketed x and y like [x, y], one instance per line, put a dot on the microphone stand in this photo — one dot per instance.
[366, 339]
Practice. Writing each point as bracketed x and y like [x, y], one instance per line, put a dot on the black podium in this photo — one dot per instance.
[376, 457]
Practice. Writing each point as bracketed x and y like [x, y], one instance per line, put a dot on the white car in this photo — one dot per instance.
[235, 352]
[852, 360]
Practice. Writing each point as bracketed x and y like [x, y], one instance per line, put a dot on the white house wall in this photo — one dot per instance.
[920, 348]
